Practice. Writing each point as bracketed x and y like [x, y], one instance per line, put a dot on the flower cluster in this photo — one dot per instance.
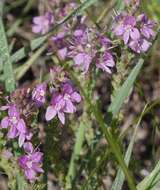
[81, 43]
[42, 24]
[15, 124]
[84, 46]
[63, 95]
[17, 128]
[63, 102]
[136, 32]
[31, 162]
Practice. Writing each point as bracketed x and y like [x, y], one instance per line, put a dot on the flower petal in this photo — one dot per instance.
[50, 113]
[12, 133]
[21, 126]
[5, 122]
[21, 139]
[61, 117]
[28, 147]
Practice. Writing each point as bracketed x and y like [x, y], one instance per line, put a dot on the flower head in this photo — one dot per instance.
[31, 162]
[82, 48]
[127, 29]
[15, 124]
[106, 62]
[63, 102]
[42, 24]
[39, 94]
[60, 45]
[146, 26]
[139, 46]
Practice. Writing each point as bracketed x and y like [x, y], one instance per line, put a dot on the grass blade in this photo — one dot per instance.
[5, 57]
[24, 68]
[75, 155]
[124, 91]
[20, 183]
[108, 135]
[119, 180]
[149, 182]
[23, 52]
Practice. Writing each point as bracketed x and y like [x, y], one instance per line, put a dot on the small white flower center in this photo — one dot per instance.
[66, 96]
[14, 120]
[42, 93]
[29, 164]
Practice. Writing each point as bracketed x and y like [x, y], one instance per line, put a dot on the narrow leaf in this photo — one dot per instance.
[20, 183]
[124, 91]
[5, 59]
[24, 68]
[119, 180]
[150, 182]
[75, 155]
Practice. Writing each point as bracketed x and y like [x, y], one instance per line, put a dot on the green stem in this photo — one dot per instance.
[96, 169]
[108, 135]
[75, 155]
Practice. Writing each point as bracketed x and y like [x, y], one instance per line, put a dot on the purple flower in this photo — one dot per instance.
[60, 45]
[62, 103]
[127, 29]
[105, 62]
[146, 26]
[31, 162]
[81, 48]
[58, 75]
[42, 24]
[139, 46]
[105, 42]
[16, 125]
[39, 94]
[83, 61]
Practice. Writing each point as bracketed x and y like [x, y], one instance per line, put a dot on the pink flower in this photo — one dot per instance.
[16, 125]
[60, 45]
[63, 102]
[31, 162]
[126, 29]
[106, 62]
[82, 49]
[139, 46]
[42, 24]
[146, 26]
[39, 94]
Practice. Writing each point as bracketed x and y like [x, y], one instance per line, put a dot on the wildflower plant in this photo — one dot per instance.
[57, 123]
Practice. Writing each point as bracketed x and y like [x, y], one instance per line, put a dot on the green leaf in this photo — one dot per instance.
[23, 69]
[120, 5]
[119, 180]
[23, 52]
[20, 183]
[150, 182]
[75, 155]
[5, 58]
[124, 91]
[115, 148]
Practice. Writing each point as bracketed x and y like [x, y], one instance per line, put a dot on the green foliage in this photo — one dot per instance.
[124, 91]
[119, 180]
[5, 59]
[151, 181]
